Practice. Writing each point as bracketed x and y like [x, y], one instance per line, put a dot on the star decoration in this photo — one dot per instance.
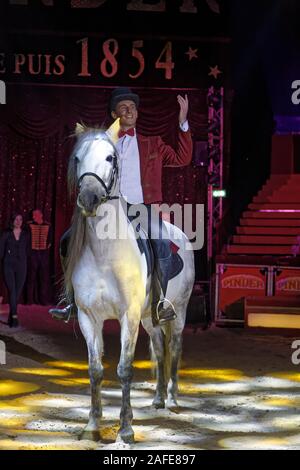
[192, 53]
[215, 71]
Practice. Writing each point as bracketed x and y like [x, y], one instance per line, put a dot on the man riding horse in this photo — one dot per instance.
[142, 159]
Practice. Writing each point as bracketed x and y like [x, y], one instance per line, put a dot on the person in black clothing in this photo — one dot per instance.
[38, 283]
[14, 251]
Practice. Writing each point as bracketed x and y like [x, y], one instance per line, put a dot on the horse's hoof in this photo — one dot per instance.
[172, 405]
[126, 436]
[90, 435]
[158, 404]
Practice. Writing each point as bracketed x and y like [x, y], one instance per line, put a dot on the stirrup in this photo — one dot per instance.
[63, 314]
[169, 313]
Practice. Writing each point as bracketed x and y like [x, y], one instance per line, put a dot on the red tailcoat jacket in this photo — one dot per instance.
[154, 154]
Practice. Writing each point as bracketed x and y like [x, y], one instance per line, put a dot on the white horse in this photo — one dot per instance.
[109, 280]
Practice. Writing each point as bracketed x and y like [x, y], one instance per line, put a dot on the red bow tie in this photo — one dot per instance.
[128, 132]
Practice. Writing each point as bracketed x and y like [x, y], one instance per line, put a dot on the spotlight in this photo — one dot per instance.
[219, 193]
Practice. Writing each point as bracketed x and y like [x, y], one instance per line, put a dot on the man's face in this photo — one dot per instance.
[127, 112]
[37, 216]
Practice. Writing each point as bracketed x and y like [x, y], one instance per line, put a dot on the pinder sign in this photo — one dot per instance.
[288, 285]
[243, 281]
[238, 281]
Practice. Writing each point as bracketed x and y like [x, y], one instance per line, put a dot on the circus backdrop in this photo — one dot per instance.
[59, 71]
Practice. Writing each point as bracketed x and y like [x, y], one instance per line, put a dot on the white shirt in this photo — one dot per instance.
[130, 171]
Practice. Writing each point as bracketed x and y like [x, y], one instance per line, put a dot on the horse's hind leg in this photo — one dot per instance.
[129, 333]
[93, 336]
[175, 351]
[157, 344]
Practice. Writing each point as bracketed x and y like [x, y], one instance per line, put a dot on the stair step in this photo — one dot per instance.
[284, 187]
[287, 177]
[290, 179]
[246, 230]
[280, 198]
[279, 177]
[259, 250]
[280, 184]
[276, 206]
[274, 301]
[272, 312]
[264, 240]
[271, 215]
[246, 222]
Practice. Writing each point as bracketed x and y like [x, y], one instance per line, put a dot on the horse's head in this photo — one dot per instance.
[93, 169]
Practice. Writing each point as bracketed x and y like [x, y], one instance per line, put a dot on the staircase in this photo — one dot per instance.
[271, 225]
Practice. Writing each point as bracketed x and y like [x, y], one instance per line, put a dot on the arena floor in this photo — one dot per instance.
[238, 390]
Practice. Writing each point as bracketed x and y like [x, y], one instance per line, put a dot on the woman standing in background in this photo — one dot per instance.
[14, 250]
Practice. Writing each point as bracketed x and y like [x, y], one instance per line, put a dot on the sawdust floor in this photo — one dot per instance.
[238, 389]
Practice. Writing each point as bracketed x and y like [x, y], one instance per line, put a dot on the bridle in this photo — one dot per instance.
[111, 184]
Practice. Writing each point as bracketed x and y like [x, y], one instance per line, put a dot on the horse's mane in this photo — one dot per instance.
[78, 226]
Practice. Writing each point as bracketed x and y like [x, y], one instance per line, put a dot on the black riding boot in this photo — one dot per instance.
[70, 311]
[162, 309]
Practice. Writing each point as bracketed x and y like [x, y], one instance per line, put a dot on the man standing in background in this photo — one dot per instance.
[38, 284]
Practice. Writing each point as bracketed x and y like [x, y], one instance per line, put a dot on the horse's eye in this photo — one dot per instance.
[109, 158]
[76, 160]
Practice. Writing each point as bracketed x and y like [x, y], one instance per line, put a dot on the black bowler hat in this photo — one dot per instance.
[121, 94]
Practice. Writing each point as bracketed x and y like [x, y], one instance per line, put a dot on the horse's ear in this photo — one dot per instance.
[79, 129]
[113, 131]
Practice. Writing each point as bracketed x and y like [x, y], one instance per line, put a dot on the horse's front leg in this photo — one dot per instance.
[92, 332]
[129, 333]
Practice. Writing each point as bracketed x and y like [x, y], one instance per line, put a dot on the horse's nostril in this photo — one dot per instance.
[95, 200]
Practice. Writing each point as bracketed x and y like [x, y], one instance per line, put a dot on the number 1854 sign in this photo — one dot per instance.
[101, 61]
[109, 64]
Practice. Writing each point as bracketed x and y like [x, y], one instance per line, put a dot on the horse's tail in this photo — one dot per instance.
[152, 359]
[75, 246]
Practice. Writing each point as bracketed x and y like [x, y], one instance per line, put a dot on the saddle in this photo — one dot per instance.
[145, 248]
